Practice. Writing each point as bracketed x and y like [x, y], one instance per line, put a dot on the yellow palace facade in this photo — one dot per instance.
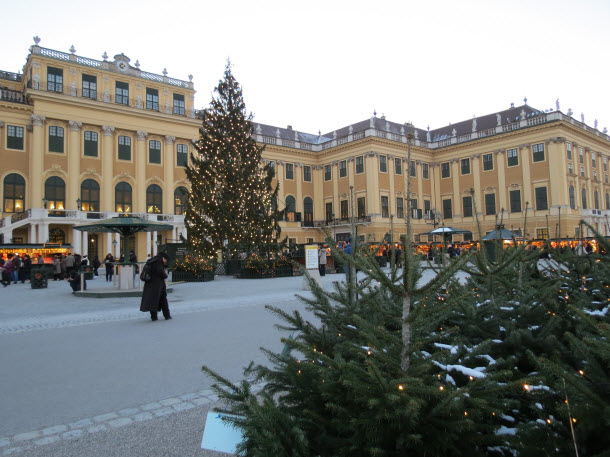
[84, 139]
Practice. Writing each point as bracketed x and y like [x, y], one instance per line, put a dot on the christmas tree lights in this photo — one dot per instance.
[232, 203]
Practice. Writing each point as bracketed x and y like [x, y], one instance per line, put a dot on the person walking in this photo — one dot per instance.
[56, 268]
[109, 267]
[322, 260]
[63, 261]
[96, 264]
[154, 295]
[40, 260]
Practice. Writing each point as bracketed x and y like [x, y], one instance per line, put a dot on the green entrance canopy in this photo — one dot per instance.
[125, 226]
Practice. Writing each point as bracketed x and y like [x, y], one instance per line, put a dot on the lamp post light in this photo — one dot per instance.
[45, 202]
[79, 204]
[334, 227]
[114, 243]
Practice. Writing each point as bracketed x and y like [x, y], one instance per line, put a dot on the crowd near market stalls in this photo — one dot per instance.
[47, 250]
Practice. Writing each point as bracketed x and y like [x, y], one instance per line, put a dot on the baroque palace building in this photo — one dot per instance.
[84, 139]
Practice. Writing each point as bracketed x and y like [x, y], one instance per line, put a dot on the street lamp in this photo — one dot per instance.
[114, 243]
[334, 227]
[45, 202]
[78, 204]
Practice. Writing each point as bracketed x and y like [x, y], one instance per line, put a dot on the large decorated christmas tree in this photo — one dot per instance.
[232, 203]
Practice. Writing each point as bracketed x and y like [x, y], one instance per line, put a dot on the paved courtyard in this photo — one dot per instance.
[95, 377]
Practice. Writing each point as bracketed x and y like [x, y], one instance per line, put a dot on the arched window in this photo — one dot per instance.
[55, 192]
[90, 195]
[122, 197]
[572, 198]
[607, 201]
[14, 193]
[181, 195]
[596, 199]
[308, 211]
[584, 199]
[57, 235]
[290, 208]
[154, 199]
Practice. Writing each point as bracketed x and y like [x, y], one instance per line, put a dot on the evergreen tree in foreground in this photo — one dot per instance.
[232, 202]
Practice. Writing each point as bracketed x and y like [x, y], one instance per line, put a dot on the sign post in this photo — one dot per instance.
[311, 264]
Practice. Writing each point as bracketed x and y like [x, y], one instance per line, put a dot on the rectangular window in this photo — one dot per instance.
[445, 170]
[515, 201]
[383, 164]
[154, 151]
[385, 207]
[605, 163]
[182, 155]
[490, 204]
[398, 166]
[14, 137]
[342, 169]
[425, 171]
[179, 104]
[543, 233]
[329, 211]
[124, 148]
[426, 206]
[467, 206]
[56, 139]
[306, 173]
[361, 206]
[582, 171]
[412, 168]
[122, 93]
[289, 174]
[400, 209]
[327, 173]
[344, 211]
[606, 179]
[465, 163]
[593, 160]
[271, 164]
[152, 99]
[512, 157]
[90, 86]
[488, 162]
[447, 213]
[359, 165]
[570, 168]
[541, 200]
[90, 144]
[55, 80]
[538, 152]
[594, 175]
[581, 155]
[569, 149]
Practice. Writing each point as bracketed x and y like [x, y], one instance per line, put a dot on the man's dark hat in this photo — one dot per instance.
[163, 255]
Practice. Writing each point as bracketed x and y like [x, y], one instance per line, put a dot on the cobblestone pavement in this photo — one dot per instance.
[20, 443]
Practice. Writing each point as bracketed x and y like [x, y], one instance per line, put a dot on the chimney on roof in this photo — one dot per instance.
[289, 127]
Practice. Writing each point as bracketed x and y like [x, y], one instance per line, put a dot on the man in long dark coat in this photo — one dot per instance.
[154, 295]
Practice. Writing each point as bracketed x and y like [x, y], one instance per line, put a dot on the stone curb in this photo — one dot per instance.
[15, 444]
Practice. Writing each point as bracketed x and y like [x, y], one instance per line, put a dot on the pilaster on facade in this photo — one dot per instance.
[107, 203]
[73, 164]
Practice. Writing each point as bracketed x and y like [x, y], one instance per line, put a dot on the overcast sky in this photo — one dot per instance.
[322, 65]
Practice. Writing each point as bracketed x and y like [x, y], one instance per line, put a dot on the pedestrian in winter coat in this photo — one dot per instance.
[40, 260]
[154, 295]
[56, 269]
[322, 260]
[27, 268]
[70, 262]
[96, 264]
[109, 267]
[7, 274]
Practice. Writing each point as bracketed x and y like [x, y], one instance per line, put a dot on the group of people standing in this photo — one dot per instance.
[15, 268]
